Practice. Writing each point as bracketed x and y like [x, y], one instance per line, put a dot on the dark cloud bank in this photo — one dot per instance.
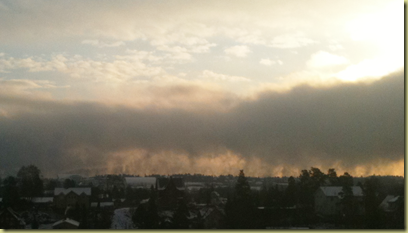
[352, 123]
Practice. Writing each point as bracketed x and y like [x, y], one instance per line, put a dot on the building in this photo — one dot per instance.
[328, 200]
[71, 197]
[10, 219]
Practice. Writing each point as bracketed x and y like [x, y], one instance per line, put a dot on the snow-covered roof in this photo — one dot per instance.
[333, 191]
[79, 191]
[42, 199]
[144, 201]
[386, 204]
[146, 182]
[68, 220]
[201, 184]
[393, 199]
[102, 204]
[258, 188]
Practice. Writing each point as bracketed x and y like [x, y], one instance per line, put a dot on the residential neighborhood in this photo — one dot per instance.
[313, 200]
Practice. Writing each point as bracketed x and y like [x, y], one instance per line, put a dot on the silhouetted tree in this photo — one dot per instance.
[318, 177]
[289, 198]
[371, 202]
[332, 176]
[10, 192]
[346, 180]
[241, 211]
[180, 220]
[140, 216]
[68, 183]
[347, 200]
[153, 220]
[51, 185]
[30, 182]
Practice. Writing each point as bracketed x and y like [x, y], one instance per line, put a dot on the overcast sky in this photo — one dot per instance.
[271, 87]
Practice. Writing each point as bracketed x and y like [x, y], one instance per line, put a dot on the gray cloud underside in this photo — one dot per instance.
[353, 123]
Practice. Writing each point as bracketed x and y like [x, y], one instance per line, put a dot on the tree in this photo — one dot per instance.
[10, 193]
[347, 200]
[318, 177]
[241, 212]
[51, 185]
[289, 198]
[30, 182]
[139, 217]
[346, 180]
[68, 183]
[371, 201]
[332, 176]
[242, 188]
[146, 215]
[180, 220]
[153, 219]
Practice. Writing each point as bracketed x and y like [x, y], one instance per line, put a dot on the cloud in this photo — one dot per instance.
[290, 41]
[119, 70]
[100, 44]
[238, 50]
[323, 59]
[207, 74]
[269, 62]
[353, 126]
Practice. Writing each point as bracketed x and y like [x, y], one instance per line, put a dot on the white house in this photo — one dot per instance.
[328, 200]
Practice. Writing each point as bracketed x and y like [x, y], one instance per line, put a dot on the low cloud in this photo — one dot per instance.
[353, 126]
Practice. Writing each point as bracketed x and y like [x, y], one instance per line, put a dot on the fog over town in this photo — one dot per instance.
[185, 114]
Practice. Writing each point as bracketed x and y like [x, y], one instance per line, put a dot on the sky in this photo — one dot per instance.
[211, 87]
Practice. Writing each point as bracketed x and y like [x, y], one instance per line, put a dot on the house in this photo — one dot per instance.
[66, 224]
[140, 182]
[71, 197]
[328, 200]
[170, 192]
[9, 219]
